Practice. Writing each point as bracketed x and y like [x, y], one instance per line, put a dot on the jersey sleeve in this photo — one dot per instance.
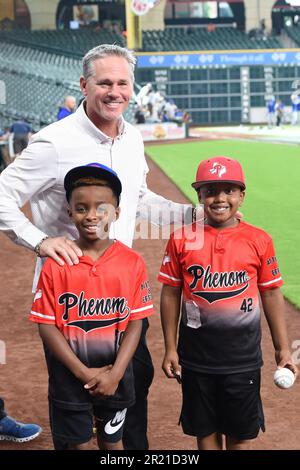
[43, 307]
[269, 276]
[170, 271]
[142, 303]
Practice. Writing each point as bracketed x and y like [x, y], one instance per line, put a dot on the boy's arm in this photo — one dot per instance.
[59, 346]
[273, 304]
[108, 383]
[170, 312]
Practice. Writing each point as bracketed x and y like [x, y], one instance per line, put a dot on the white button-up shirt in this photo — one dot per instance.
[37, 175]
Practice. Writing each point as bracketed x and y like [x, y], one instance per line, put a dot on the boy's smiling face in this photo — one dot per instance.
[221, 202]
[93, 209]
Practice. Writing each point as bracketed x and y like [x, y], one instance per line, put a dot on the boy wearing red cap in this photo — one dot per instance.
[218, 286]
[90, 318]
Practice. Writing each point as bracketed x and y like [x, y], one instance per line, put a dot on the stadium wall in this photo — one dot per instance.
[223, 87]
[257, 10]
[44, 18]
[154, 19]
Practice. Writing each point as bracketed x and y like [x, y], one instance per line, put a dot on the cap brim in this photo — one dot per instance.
[198, 184]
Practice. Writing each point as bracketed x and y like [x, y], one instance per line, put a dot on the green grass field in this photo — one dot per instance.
[272, 177]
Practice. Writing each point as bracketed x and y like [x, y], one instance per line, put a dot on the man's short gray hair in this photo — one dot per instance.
[102, 51]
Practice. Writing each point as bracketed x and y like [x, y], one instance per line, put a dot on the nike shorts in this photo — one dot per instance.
[229, 404]
[76, 427]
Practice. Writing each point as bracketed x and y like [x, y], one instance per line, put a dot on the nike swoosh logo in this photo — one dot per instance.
[110, 428]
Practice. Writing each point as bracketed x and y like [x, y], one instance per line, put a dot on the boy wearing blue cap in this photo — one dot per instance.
[90, 318]
[217, 287]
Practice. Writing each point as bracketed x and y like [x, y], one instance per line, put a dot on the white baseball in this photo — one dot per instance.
[284, 378]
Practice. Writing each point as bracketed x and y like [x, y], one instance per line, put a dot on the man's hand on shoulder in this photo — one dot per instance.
[61, 250]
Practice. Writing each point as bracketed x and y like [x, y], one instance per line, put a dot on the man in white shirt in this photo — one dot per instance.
[96, 132]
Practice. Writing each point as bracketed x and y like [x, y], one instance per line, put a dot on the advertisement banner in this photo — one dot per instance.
[212, 59]
[162, 131]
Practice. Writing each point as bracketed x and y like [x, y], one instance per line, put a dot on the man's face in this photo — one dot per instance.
[108, 91]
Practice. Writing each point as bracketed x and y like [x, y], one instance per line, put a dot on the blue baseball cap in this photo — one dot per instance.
[95, 170]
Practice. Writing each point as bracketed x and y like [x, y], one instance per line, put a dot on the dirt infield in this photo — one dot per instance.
[23, 381]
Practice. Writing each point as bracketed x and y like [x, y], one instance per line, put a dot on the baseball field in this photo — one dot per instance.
[271, 202]
[272, 178]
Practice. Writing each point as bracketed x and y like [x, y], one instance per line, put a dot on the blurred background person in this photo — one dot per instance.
[186, 117]
[295, 99]
[142, 98]
[271, 104]
[158, 102]
[170, 110]
[279, 108]
[67, 108]
[20, 133]
[4, 155]
[139, 116]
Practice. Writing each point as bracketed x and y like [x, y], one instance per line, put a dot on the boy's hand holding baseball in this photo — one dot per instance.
[283, 359]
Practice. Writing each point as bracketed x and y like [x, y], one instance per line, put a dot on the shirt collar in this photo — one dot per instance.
[91, 129]
[87, 260]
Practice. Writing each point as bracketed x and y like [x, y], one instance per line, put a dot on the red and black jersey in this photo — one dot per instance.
[91, 304]
[220, 319]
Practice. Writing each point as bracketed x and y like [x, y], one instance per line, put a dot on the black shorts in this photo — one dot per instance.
[76, 427]
[229, 404]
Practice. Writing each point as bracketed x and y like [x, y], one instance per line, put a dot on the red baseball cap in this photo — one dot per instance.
[218, 170]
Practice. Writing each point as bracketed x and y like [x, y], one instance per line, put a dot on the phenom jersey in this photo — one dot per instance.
[220, 328]
[91, 304]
